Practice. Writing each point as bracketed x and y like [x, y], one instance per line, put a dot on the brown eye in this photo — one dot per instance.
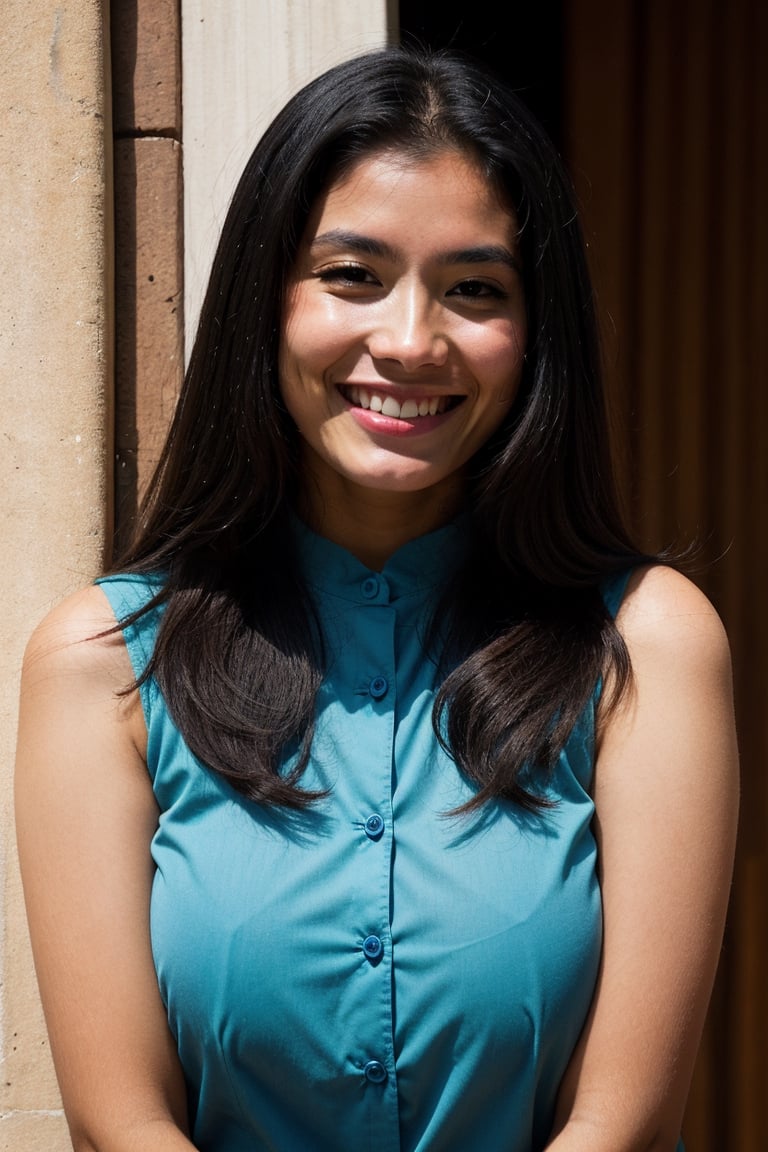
[478, 290]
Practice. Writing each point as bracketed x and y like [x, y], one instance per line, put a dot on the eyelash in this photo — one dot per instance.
[354, 275]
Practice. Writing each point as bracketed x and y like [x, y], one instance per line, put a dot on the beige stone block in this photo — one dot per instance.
[146, 66]
[28, 1078]
[148, 317]
[55, 421]
[35, 1132]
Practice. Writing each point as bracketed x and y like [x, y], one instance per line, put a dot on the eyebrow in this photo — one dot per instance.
[368, 246]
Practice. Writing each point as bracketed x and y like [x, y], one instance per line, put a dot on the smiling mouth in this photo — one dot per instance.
[387, 405]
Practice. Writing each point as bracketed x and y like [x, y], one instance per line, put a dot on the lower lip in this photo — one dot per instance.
[377, 422]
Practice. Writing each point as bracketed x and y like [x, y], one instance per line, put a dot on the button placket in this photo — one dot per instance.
[378, 651]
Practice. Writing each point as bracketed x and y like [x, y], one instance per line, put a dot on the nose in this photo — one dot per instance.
[408, 329]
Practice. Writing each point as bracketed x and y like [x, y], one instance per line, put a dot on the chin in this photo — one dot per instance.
[399, 483]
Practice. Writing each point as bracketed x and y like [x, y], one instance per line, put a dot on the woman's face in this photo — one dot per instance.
[405, 324]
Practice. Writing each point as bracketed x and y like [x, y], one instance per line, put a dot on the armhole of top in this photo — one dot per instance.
[126, 595]
[613, 590]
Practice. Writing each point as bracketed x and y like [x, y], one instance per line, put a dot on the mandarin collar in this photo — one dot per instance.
[417, 567]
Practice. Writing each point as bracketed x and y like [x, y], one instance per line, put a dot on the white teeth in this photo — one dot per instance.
[389, 406]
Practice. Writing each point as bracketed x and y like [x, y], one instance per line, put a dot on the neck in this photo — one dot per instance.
[373, 524]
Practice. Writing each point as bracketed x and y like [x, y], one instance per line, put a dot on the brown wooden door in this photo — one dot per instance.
[666, 105]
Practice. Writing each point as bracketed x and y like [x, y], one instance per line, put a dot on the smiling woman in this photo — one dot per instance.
[383, 796]
[405, 330]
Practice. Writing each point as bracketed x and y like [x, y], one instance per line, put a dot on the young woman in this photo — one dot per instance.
[384, 796]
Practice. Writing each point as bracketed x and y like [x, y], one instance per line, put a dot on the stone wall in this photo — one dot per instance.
[55, 428]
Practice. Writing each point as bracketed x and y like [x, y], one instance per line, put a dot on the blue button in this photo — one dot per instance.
[375, 1072]
[370, 587]
[373, 948]
[374, 826]
[378, 687]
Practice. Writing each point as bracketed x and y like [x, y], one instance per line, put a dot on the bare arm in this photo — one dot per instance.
[85, 816]
[666, 797]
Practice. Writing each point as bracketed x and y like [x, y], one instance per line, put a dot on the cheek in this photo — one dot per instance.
[316, 330]
[498, 366]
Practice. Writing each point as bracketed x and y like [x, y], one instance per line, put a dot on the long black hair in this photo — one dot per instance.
[239, 655]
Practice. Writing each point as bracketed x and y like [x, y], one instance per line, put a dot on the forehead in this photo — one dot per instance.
[399, 189]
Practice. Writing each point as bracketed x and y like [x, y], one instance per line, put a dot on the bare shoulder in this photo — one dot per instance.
[77, 668]
[666, 617]
[78, 702]
[681, 690]
[78, 637]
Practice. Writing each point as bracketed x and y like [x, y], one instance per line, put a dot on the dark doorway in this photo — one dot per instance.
[523, 42]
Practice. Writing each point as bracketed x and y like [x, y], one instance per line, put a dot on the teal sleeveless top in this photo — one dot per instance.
[373, 974]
